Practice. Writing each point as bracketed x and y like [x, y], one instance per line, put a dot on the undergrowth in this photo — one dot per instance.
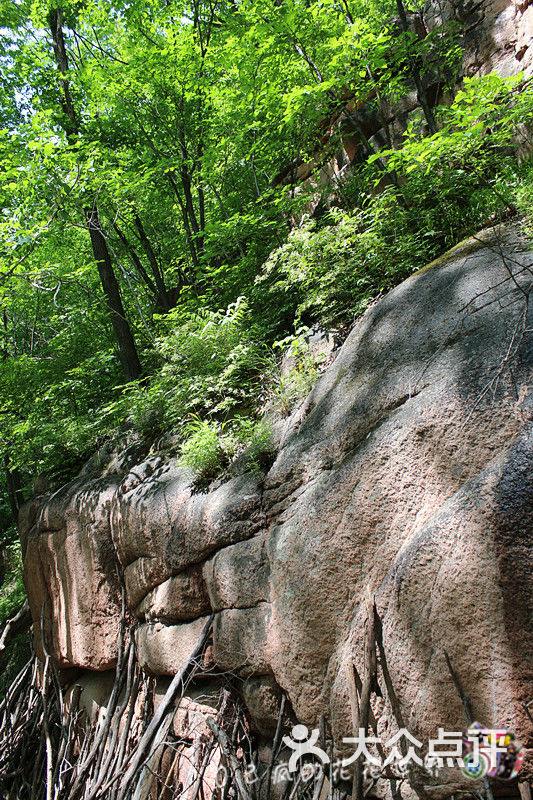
[12, 596]
[213, 371]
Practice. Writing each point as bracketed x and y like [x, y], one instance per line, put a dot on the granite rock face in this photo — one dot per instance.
[497, 34]
[405, 474]
[71, 574]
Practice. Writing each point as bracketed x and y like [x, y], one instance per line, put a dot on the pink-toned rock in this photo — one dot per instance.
[142, 576]
[496, 34]
[238, 575]
[164, 649]
[160, 526]
[405, 474]
[95, 690]
[179, 599]
[262, 696]
[71, 576]
[143, 512]
[241, 640]
[190, 719]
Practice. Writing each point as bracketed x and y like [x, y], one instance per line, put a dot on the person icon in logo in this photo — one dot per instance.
[304, 745]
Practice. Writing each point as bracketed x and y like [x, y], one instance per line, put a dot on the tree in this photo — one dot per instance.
[126, 344]
[149, 140]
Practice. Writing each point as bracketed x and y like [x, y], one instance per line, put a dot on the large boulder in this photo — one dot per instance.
[405, 475]
[71, 574]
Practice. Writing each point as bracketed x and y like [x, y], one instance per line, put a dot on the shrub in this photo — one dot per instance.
[12, 596]
[256, 438]
[12, 592]
[339, 267]
[287, 390]
[210, 446]
[449, 185]
[202, 452]
[212, 365]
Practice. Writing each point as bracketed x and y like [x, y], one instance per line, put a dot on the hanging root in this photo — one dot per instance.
[51, 750]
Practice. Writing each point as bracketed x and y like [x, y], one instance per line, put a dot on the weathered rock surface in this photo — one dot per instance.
[160, 527]
[163, 649]
[497, 34]
[241, 640]
[182, 597]
[417, 409]
[71, 575]
[406, 474]
[238, 576]
[262, 697]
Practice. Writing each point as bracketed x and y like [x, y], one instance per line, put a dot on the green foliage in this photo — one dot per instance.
[188, 119]
[341, 266]
[12, 592]
[202, 452]
[212, 363]
[209, 446]
[12, 596]
[452, 183]
[524, 197]
[466, 172]
[256, 439]
[485, 116]
[289, 387]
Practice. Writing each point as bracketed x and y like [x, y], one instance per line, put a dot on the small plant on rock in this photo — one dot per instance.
[256, 436]
[202, 453]
[291, 387]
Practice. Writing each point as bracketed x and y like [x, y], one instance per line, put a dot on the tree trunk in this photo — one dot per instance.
[422, 99]
[126, 344]
[136, 261]
[17, 622]
[188, 232]
[163, 297]
[55, 19]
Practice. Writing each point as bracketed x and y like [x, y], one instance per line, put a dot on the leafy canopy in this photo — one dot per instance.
[181, 126]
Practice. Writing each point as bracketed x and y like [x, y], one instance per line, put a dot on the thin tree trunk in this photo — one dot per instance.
[55, 21]
[174, 185]
[201, 203]
[136, 261]
[201, 194]
[185, 216]
[422, 99]
[17, 622]
[14, 487]
[186, 182]
[126, 344]
[162, 291]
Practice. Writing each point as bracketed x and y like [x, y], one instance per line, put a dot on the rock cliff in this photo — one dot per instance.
[494, 36]
[405, 474]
